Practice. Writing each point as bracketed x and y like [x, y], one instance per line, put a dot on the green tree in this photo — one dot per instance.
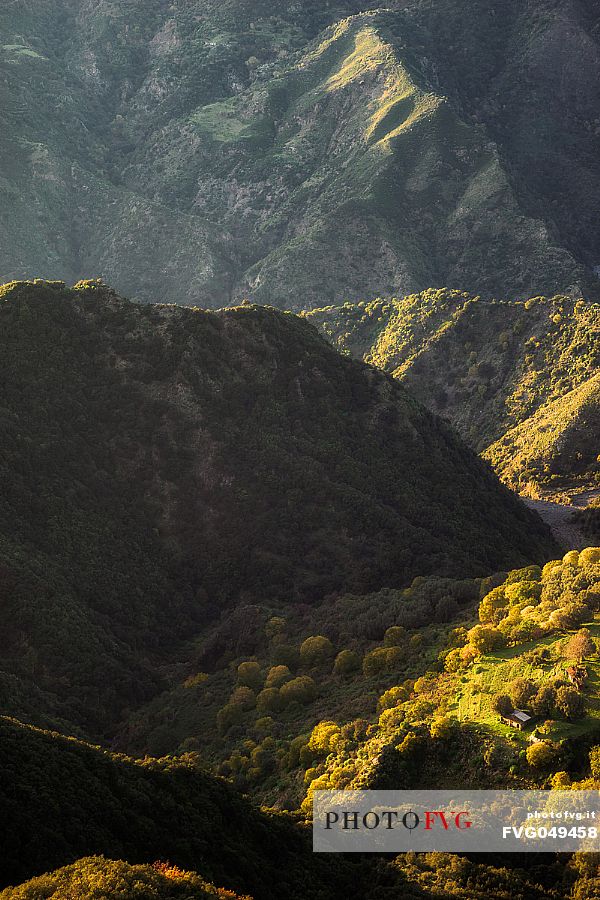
[502, 704]
[570, 703]
[316, 650]
[249, 673]
[346, 662]
[543, 703]
[541, 755]
[300, 690]
[521, 690]
[485, 638]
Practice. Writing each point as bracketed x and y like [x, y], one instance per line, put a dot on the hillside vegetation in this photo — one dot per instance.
[162, 467]
[441, 729]
[95, 878]
[84, 800]
[518, 380]
[301, 153]
[445, 728]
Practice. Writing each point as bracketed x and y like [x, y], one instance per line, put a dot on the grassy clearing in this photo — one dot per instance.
[220, 120]
[492, 674]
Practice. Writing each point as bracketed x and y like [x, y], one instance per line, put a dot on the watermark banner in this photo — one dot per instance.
[456, 821]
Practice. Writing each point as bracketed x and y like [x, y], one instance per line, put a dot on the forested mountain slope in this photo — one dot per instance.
[301, 153]
[161, 466]
[517, 379]
[62, 799]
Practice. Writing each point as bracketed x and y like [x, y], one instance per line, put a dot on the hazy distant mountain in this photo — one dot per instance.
[301, 153]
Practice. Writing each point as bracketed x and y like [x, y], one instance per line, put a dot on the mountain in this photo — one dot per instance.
[84, 800]
[162, 467]
[301, 154]
[558, 444]
[517, 379]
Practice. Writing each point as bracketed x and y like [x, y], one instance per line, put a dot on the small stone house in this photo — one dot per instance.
[518, 718]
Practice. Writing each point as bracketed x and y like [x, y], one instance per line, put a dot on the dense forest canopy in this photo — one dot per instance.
[161, 466]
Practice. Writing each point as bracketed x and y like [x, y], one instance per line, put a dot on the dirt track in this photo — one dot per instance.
[558, 515]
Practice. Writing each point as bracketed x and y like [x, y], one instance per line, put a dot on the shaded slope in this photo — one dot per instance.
[62, 799]
[300, 154]
[161, 465]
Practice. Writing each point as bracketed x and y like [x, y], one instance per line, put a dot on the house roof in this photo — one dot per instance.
[520, 715]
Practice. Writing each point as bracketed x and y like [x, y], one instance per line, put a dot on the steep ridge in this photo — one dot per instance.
[162, 466]
[300, 154]
[558, 444]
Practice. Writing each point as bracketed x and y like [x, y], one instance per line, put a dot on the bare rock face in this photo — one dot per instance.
[211, 151]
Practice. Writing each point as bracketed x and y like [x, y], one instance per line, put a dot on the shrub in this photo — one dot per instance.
[590, 556]
[453, 660]
[229, 715]
[393, 697]
[275, 626]
[269, 700]
[249, 674]
[277, 676]
[375, 663]
[394, 657]
[316, 650]
[346, 662]
[244, 697]
[324, 738]
[301, 690]
[265, 724]
[394, 636]
[285, 655]
[391, 718]
[595, 761]
[195, 680]
[441, 728]
[541, 755]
